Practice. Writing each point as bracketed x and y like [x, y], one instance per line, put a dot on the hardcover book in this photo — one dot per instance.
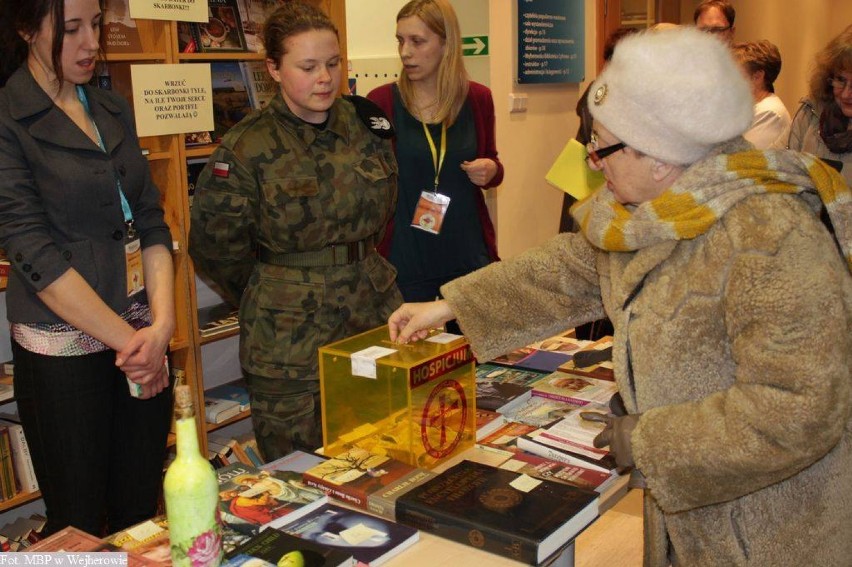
[218, 410]
[353, 475]
[24, 471]
[383, 502]
[574, 389]
[370, 539]
[251, 500]
[570, 440]
[223, 30]
[488, 372]
[230, 96]
[506, 513]
[278, 549]
[261, 86]
[253, 14]
[120, 34]
[487, 422]
[540, 467]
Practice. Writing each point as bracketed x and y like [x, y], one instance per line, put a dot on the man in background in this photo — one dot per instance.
[761, 63]
[716, 17]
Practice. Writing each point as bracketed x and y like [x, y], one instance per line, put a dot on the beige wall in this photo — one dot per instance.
[799, 29]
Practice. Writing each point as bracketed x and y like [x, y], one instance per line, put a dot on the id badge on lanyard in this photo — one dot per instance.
[132, 243]
[432, 206]
[133, 261]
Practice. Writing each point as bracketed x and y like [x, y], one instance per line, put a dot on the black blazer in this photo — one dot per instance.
[59, 206]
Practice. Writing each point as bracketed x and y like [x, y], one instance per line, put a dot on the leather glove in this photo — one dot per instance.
[616, 434]
[616, 405]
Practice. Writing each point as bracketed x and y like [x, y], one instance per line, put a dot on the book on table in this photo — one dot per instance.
[500, 511]
[487, 422]
[353, 475]
[382, 502]
[500, 396]
[570, 440]
[297, 461]
[505, 438]
[556, 471]
[574, 389]
[276, 548]
[251, 500]
[371, 540]
[602, 370]
[539, 411]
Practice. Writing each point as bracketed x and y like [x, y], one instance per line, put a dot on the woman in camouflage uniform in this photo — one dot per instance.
[285, 220]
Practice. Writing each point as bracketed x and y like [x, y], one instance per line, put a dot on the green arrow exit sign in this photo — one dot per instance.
[475, 45]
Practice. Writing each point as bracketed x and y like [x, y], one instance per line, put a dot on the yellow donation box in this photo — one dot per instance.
[415, 402]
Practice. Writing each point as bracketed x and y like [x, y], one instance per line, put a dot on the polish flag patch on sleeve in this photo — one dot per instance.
[221, 169]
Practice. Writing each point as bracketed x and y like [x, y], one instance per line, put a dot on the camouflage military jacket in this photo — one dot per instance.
[279, 183]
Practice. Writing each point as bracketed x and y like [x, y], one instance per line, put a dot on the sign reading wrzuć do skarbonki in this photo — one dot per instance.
[550, 41]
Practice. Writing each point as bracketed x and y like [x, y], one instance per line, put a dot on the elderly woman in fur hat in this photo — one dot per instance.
[732, 307]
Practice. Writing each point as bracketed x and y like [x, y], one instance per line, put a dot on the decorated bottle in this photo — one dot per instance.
[191, 492]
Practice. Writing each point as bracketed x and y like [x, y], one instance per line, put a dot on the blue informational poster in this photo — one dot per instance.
[550, 41]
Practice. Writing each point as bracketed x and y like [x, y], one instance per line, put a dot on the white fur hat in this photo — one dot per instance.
[672, 94]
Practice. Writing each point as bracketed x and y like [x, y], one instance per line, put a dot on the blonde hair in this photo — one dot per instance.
[439, 16]
[834, 57]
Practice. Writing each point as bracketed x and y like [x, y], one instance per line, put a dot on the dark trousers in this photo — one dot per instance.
[98, 453]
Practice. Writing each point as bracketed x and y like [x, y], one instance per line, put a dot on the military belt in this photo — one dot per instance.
[332, 255]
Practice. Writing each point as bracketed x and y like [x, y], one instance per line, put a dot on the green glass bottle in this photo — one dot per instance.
[192, 495]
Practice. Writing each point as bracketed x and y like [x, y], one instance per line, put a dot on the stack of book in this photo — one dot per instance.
[217, 320]
[17, 474]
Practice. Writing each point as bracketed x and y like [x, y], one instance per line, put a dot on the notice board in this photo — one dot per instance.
[550, 41]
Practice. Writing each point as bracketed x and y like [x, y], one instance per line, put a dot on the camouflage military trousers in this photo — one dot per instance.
[286, 415]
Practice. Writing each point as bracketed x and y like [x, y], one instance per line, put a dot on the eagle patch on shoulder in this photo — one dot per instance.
[372, 116]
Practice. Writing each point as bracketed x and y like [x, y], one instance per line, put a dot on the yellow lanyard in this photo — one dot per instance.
[437, 159]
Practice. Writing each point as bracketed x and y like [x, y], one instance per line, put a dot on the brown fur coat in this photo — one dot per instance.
[739, 343]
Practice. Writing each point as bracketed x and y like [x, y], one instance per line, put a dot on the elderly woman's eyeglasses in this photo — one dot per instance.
[596, 154]
[840, 83]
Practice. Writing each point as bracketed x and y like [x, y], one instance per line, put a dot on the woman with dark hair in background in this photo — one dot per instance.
[90, 296]
[823, 124]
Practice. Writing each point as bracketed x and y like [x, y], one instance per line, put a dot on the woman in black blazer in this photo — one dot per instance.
[90, 297]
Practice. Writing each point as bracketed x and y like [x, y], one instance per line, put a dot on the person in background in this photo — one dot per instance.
[761, 62]
[285, 219]
[823, 123]
[716, 17]
[732, 307]
[90, 298]
[446, 150]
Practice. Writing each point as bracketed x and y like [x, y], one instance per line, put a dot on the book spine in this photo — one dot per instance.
[553, 454]
[23, 461]
[380, 506]
[469, 533]
[559, 397]
[335, 491]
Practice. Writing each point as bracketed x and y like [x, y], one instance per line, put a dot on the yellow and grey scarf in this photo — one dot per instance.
[706, 191]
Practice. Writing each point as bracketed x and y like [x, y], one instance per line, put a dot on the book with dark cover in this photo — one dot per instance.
[355, 474]
[274, 547]
[230, 96]
[500, 396]
[497, 373]
[370, 539]
[506, 513]
[251, 500]
[217, 319]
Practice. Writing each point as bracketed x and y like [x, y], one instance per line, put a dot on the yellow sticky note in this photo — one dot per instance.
[571, 174]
